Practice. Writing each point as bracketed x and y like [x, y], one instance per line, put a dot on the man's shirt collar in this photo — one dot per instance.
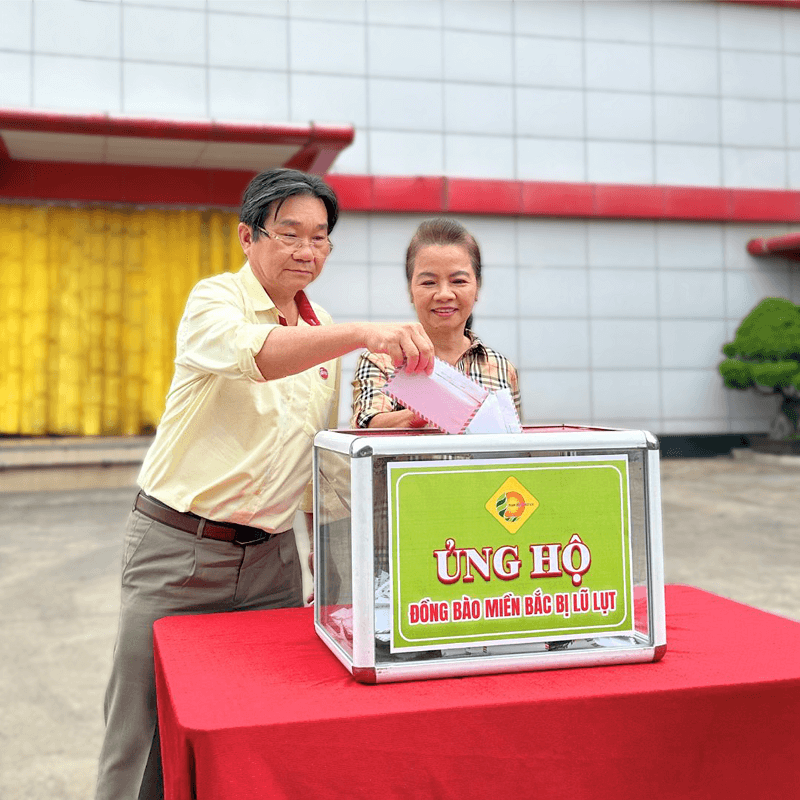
[263, 302]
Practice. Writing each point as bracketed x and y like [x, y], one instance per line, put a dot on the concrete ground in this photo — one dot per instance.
[731, 526]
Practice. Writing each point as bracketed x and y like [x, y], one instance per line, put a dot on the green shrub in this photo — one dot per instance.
[775, 374]
[770, 332]
[765, 354]
[737, 374]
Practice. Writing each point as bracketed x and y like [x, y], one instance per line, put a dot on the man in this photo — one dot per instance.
[256, 376]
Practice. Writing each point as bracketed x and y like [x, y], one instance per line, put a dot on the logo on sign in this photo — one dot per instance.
[512, 504]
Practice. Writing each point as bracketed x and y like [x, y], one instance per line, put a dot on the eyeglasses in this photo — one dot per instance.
[320, 244]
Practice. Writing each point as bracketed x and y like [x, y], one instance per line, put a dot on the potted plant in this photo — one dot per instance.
[765, 356]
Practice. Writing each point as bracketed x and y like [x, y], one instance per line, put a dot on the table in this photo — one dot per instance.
[253, 705]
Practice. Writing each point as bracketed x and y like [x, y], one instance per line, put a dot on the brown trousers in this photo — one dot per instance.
[167, 572]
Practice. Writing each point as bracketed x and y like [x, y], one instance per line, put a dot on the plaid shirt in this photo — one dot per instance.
[484, 365]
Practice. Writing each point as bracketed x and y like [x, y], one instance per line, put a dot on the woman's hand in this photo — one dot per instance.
[417, 421]
[404, 418]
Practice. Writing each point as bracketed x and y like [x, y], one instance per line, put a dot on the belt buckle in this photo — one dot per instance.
[242, 539]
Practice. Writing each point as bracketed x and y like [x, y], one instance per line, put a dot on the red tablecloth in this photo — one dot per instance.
[253, 705]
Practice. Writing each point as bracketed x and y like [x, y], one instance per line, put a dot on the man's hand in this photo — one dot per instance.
[403, 342]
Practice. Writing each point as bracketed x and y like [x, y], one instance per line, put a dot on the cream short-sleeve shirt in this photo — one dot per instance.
[232, 446]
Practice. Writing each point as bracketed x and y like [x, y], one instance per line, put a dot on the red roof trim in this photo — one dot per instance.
[698, 203]
[776, 3]
[552, 199]
[356, 193]
[113, 183]
[409, 194]
[469, 196]
[751, 205]
[38, 181]
[181, 130]
[557, 199]
[640, 202]
[787, 246]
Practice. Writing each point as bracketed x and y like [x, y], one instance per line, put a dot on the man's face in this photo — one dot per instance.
[287, 264]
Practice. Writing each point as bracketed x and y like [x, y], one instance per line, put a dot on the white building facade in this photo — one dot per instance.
[613, 159]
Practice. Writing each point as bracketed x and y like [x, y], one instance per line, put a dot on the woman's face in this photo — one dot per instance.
[443, 287]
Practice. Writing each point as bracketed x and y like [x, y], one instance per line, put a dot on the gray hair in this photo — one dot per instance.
[274, 186]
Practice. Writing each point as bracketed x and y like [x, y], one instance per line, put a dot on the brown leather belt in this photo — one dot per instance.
[186, 521]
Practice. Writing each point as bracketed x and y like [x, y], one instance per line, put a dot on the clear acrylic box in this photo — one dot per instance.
[442, 555]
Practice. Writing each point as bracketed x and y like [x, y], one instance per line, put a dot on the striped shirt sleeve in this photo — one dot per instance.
[372, 374]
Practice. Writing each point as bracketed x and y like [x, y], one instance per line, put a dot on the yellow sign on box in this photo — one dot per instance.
[512, 504]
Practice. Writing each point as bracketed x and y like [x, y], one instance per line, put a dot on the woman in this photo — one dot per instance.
[443, 270]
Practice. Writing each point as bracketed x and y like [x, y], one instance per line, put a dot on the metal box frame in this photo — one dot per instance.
[350, 469]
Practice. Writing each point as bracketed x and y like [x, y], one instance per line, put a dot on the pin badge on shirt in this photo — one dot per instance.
[323, 373]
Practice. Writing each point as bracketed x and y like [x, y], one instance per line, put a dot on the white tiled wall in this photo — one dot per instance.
[609, 322]
[88, 30]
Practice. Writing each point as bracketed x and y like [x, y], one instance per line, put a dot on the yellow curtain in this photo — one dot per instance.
[90, 300]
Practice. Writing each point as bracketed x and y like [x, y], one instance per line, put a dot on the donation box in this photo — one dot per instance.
[440, 555]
